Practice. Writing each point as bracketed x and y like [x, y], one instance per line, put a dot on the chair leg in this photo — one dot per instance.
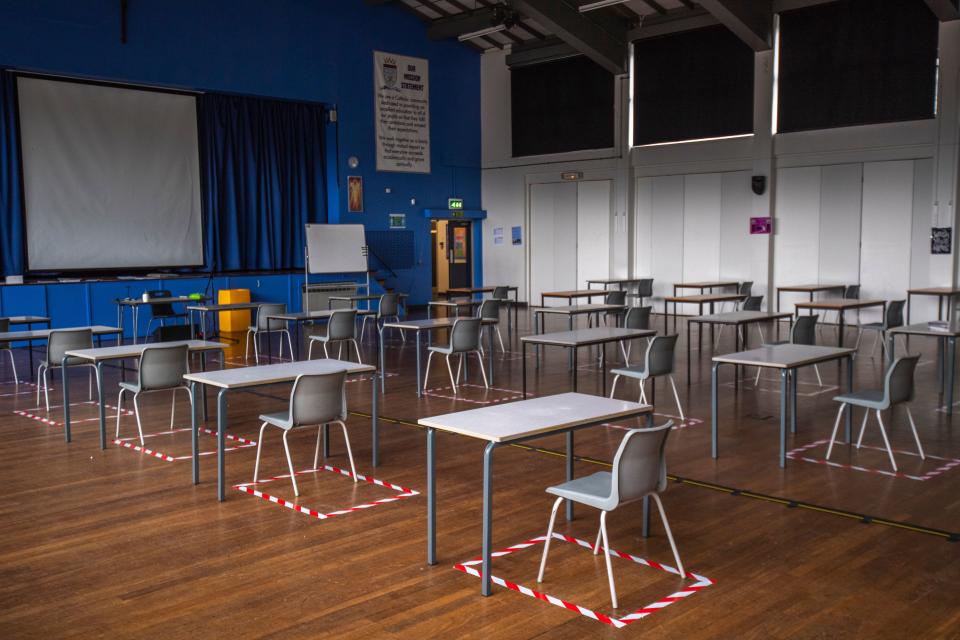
[256, 347]
[246, 347]
[596, 543]
[119, 410]
[816, 369]
[310, 350]
[136, 412]
[756, 381]
[256, 465]
[356, 346]
[459, 366]
[316, 452]
[623, 350]
[863, 427]
[346, 437]
[643, 392]
[450, 371]
[426, 373]
[90, 384]
[13, 365]
[40, 380]
[606, 555]
[293, 476]
[326, 354]
[716, 343]
[500, 338]
[913, 427]
[873, 349]
[340, 350]
[886, 442]
[482, 372]
[613, 386]
[836, 426]
[666, 525]
[762, 339]
[173, 407]
[546, 543]
[676, 397]
[46, 387]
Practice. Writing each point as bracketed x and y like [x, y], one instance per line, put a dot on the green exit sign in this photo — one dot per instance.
[455, 204]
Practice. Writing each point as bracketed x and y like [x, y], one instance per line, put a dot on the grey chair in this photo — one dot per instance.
[803, 331]
[490, 310]
[897, 389]
[744, 289]
[500, 293]
[750, 303]
[268, 326]
[636, 318]
[316, 399]
[645, 289]
[387, 309]
[615, 297]
[162, 311]
[659, 361]
[639, 470]
[850, 292]
[341, 327]
[5, 347]
[161, 369]
[464, 340]
[58, 343]
[891, 319]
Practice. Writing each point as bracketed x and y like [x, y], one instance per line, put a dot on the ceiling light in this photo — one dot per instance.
[600, 4]
[481, 32]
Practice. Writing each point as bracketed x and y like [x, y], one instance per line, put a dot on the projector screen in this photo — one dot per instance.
[111, 176]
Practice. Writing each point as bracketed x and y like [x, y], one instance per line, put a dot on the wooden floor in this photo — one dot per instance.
[118, 543]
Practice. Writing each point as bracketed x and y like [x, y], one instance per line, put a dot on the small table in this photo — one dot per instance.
[134, 305]
[515, 303]
[30, 321]
[940, 293]
[299, 317]
[621, 283]
[570, 296]
[571, 311]
[787, 358]
[43, 334]
[700, 300]
[709, 285]
[510, 423]
[947, 351]
[453, 303]
[101, 355]
[203, 309]
[736, 319]
[429, 325]
[367, 297]
[251, 377]
[809, 289]
[577, 338]
[840, 305]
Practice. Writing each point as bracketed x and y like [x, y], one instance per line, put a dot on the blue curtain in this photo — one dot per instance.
[263, 171]
[11, 194]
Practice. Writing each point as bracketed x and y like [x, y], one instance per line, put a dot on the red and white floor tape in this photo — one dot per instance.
[949, 463]
[131, 443]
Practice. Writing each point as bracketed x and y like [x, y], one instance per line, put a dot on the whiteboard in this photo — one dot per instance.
[336, 248]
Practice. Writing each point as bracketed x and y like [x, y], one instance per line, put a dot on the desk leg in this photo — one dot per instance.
[66, 399]
[419, 380]
[645, 527]
[382, 366]
[194, 435]
[523, 368]
[840, 328]
[793, 400]
[736, 348]
[713, 409]
[848, 427]
[490, 353]
[431, 497]
[909, 297]
[570, 457]
[103, 409]
[778, 301]
[221, 434]
[688, 352]
[574, 350]
[487, 517]
[603, 369]
[33, 372]
[951, 371]
[571, 359]
[374, 426]
[784, 390]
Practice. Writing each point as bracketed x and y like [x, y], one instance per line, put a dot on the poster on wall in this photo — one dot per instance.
[498, 235]
[516, 236]
[402, 104]
[354, 194]
[940, 240]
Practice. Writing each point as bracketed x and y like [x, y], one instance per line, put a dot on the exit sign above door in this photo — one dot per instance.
[455, 204]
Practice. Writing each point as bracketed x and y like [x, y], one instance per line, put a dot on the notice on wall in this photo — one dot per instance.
[498, 235]
[402, 104]
[516, 236]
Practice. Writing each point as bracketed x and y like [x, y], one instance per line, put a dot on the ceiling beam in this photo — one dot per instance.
[461, 23]
[538, 51]
[605, 45]
[945, 10]
[673, 22]
[750, 20]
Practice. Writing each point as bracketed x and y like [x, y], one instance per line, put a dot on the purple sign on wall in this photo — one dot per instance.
[761, 226]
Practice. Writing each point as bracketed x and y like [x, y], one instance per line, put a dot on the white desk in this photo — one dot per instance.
[514, 422]
[299, 317]
[134, 305]
[42, 334]
[120, 352]
[29, 321]
[204, 309]
[249, 377]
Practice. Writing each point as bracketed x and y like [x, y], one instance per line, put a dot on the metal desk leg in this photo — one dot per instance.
[326, 441]
[135, 312]
[419, 380]
[784, 390]
[848, 427]
[646, 517]
[374, 427]
[103, 409]
[487, 517]
[572, 361]
[688, 352]
[30, 355]
[194, 435]
[603, 369]
[951, 370]
[793, 400]
[66, 399]
[569, 472]
[221, 434]
[431, 497]
[490, 353]
[713, 409]
[909, 296]
[382, 364]
[574, 349]
[523, 367]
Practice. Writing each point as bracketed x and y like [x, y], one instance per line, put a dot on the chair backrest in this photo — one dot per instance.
[851, 292]
[898, 382]
[638, 318]
[489, 309]
[465, 335]
[270, 308]
[640, 465]
[342, 325]
[660, 355]
[63, 340]
[318, 398]
[389, 305]
[894, 315]
[645, 287]
[804, 330]
[752, 303]
[162, 309]
[615, 297]
[500, 293]
[745, 288]
[163, 367]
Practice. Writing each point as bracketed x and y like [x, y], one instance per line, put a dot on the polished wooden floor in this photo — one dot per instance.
[120, 544]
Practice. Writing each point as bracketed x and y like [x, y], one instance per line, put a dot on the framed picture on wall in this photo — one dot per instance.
[355, 194]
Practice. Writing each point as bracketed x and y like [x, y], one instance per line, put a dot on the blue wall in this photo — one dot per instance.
[317, 50]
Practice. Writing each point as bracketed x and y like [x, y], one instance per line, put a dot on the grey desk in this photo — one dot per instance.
[940, 293]
[735, 319]
[43, 334]
[809, 289]
[99, 356]
[946, 352]
[709, 299]
[515, 302]
[787, 358]
[619, 282]
[299, 317]
[29, 321]
[429, 325]
[570, 311]
[571, 295]
[203, 309]
[577, 338]
[453, 303]
[251, 377]
[840, 305]
[708, 285]
[134, 305]
[366, 297]
[510, 423]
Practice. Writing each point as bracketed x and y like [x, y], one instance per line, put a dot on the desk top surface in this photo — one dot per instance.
[234, 306]
[135, 350]
[811, 288]
[574, 309]
[479, 289]
[524, 418]
[134, 302]
[299, 316]
[741, 317]
[581, 337]
[273, 373]
[40, 334]
[454, 302]
[28, 319]
[706, 285]
[614, 280]
[934, 291]
[948, 330]
[362, 297]
[575, 293]
[429, 324]
[705, 297]
[784, 356]
[840, 303]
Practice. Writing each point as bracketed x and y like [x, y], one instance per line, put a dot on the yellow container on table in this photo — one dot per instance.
[234, 321]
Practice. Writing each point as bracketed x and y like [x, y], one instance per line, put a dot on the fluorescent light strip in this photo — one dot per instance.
[600, 4]
[481, 32]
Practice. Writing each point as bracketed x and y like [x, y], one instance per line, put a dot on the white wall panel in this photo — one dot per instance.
[926, 270]
[701, 226]
[642, 227]
[737, 246]
[797, 228]
[594, 212]
[666, 232]
[552, 237]
[840, 202]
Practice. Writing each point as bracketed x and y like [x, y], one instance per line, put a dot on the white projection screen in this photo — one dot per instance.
[111, 176]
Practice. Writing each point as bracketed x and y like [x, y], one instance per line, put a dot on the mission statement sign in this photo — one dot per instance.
[402, 98]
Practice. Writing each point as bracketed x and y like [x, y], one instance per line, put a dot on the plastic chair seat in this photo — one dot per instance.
[638, 371]
[873, 325]
[131, 386]
[593, 490]
[280, 419]
[869, 398]
[445, 350]
[71, 362]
